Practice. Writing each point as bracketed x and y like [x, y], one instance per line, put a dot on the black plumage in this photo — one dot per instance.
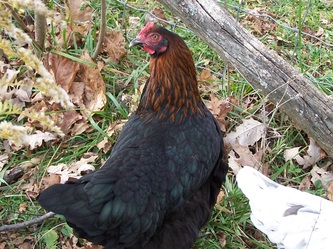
[160, 183]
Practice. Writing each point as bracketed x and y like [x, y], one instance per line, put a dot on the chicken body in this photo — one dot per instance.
[160, 183]
[290, 218]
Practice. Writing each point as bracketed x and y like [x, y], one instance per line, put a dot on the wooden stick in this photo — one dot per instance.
[27, 223]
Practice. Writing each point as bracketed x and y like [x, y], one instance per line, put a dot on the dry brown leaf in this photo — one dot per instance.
[89, 245]
[63, 69]
[205, 75]
[106, 144]
[330, 191]
[3, 160]
[8, 75]
[31, 163]
[321, 174]
[59, 173]
[114, 45]
[24, 93]
[27, 242]
[36, 139]
[77, 13]
[222, 238]
[320, 32]
[74, 169]
[76, 94]
[94, 86]
[80, 127]
[159, 13]
[69, 118]
[305, 184]
[220, 196]
[293, 153]
[242, 156]
[80, 17]
[314, 154]
[23, 207]
[247, 133]
[133, 22]
[50, 180]
[220, 110]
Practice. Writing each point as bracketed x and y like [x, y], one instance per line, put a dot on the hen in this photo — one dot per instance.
[290, 218]
[160, 183]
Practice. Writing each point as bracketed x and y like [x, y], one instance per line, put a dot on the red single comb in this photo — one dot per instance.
[148, 26]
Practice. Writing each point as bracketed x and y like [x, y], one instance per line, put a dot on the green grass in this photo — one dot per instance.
[231, 216]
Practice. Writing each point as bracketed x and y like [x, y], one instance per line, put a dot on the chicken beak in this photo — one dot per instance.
[135, 42]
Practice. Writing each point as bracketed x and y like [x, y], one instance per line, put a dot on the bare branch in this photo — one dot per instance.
[101, 30]
[27, 223]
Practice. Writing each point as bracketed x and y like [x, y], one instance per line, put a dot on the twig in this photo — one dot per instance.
[40, 33]
[27, 223]
[101, 30]
[17, 18]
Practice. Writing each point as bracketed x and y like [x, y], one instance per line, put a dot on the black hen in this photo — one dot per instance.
[160, 183]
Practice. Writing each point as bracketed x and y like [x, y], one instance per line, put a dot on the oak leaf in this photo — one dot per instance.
[114, 45]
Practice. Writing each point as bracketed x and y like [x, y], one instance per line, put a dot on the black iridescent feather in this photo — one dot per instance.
[160, 183]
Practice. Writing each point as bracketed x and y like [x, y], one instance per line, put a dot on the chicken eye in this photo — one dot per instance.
[154, 37]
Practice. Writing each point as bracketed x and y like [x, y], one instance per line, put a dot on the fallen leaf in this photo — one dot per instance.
[157, 16]
[305, 184]
[314, 154]
[27, 242]
[60, 172]
[114, 45]
[249, 132]
[85, 169]
[63, 69]
[293, 153]
[330, 191]
[220, 196]
[246, 135]
[80, 127]
[222, 239]
[3, 160]
[94, 97]
[31, 163]
[205, 75]
[36, 140]
[9, 76]
[241, 156]
[76, 93]
[115, 127]
[80, 15]
[23, 207]
[78, 12]
[220, 110]
[24, 93]
[68, 120]
[74, 169]
[320, 32]
[133, 22]
[320, 174]
[50, 180]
